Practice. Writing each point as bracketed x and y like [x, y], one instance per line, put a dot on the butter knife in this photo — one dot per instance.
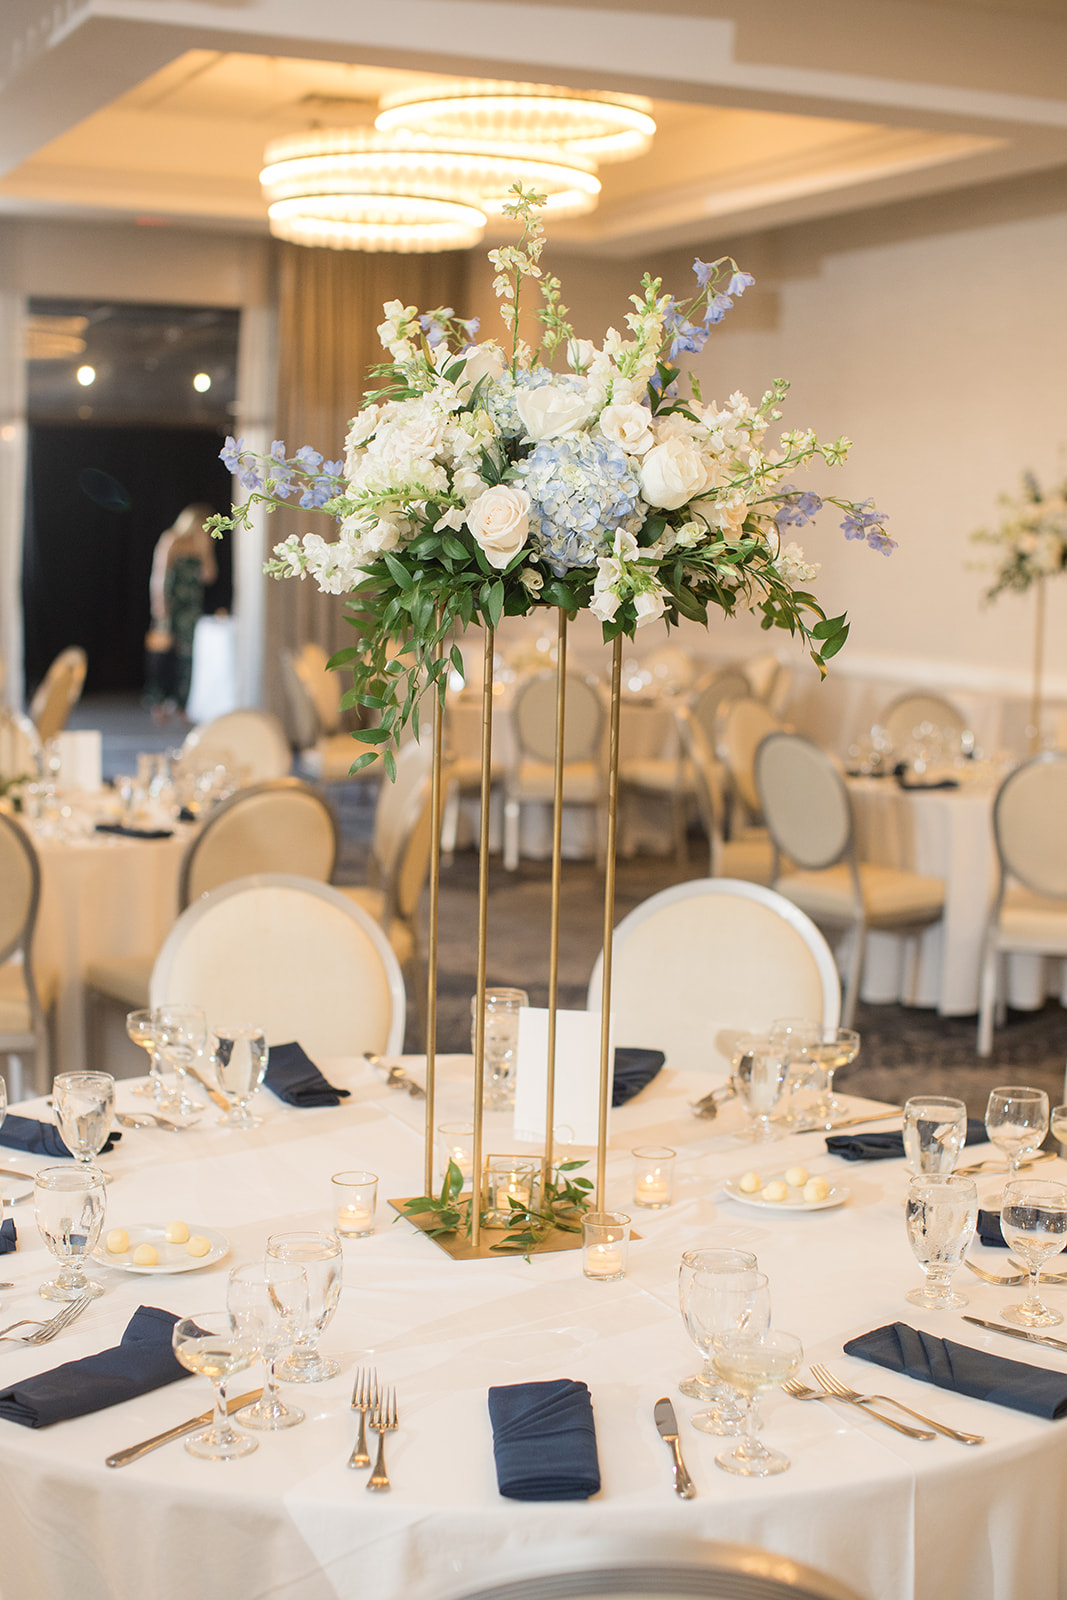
[212, 1094]
[667, 1423]
[122, 1458]
[1018, 1333]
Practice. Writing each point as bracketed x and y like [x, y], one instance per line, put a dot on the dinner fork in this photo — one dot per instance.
[364, 1397]
[383, 1420]
[1017, 1277]
[824, 1376]
[800, 1391]
[48, 1330]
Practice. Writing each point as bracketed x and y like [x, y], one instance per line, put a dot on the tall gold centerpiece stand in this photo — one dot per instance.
[1034, 729]
[474, 1245]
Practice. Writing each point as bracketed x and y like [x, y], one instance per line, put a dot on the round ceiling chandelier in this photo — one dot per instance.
[600, 125]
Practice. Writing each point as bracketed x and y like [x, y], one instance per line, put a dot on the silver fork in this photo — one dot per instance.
[48, 1330]
[383, 1420]
[824, 1376]
[1017, 1277]
[800, 1391]
[364, 1397]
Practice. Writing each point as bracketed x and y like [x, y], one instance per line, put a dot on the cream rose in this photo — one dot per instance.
[550, 411]
[499, 520]
[671, 474]
[628, 426]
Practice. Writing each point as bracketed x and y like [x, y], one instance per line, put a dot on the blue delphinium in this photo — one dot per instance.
[865, 522]
[797, 508]
[582, 489]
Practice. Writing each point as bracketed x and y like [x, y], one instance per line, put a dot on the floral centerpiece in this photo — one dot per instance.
[480, 482]
[1031, 541]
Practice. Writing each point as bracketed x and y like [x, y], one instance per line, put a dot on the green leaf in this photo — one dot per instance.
[454, 547]
[398, 572]
[390, 765]
[372, 735]
[493, 601]
[828, 627]
[362, 761]
[558, 593]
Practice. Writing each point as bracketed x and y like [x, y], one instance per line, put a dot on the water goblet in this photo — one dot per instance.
[750, 1360]
[839, 1048]
[181, 1030]
[82, 1103]
[941, 1213]
[760, 1073]
[1033, 1220]
[799, 1039]
[935, 1131]
[320, 1256]
[704, 1385]
[1058, 1124]
[1016, 1120]
[141, 1028]
[273, 1297]
[210, 1344]
[69, 1203]
[715, 1297]
[240, 1060]
[501, 1041]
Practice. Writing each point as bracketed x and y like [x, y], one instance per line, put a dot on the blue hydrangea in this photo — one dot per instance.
[582, 489]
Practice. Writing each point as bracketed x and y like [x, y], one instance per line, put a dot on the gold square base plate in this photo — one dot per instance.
[459, 1248]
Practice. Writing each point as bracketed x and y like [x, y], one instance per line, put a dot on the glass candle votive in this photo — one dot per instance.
[354, 1197]
[605, 1244]
[502, 1007]
[509, 1182]
[653, 1175]
[455, 1142]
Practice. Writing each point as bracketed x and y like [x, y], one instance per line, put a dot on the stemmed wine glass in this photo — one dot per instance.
[69, 1203]
[941, 1213]
[210, 1344]
[760, 1073]
[82, 1103]
[799, 1039]
[1016, 1120]
[1033, 1220]
[141, 1028]
[273, 1297]
[718, 1300]
[181, 1031]
[320, 1256]
[751, 1360]
[839, 1048]
[935, 1132]
[704, 1385]
[240, 1060]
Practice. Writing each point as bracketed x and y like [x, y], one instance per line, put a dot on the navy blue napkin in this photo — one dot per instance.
[294, 1077]
[884, 1146]
[634, 1070]
[943, 783]
[544, 1440]
[39, 1138]
[988, 1230]
[134, 833]
[958, 1367]
[9, 1239]
[143, 1361]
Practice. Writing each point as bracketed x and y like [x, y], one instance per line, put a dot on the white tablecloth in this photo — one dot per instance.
[897, 1519]
[213, 687]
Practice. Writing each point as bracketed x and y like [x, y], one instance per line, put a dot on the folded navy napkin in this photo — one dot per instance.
[143, 1361]
[39, 1138]
[957, 1366]
[884, 1146]
[134, 833]
[634, 1069]
[943, 783]
[9, 1239]
[544, 1440]
[988, 1230]
[294, 1077]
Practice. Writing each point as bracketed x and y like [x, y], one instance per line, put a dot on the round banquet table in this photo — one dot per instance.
[896, 1518]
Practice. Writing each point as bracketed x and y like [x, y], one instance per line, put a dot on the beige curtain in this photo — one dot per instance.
[329, 307]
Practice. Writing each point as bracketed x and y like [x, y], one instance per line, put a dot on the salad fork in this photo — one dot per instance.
[383, 1420]
[801, 1391]
[824, 1376]
[47, 1330]
[364, 1399]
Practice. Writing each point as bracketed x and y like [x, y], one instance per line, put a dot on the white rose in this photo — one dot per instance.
[499, 520]
[551, 411]
[628, 426]
[580, 353]
[484, 361]
[671, 474]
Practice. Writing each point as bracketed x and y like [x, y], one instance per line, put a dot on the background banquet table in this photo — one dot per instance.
[897, 1519]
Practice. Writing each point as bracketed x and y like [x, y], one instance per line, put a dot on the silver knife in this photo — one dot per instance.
[122, 1458]
[854, 1122]
[1018, 1333]
[667, 1423]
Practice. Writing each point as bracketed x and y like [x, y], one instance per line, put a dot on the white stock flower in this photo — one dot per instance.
[791, 566]
[335, 567]
[629, 426]
[550, 411]
[649, 604]
[580, 353]
[500, 520]
[671, 474]
[362, 426]
[391, 331]
[605, 602]
[291, 553]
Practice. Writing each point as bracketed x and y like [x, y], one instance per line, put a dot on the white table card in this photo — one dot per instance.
[577, 1089]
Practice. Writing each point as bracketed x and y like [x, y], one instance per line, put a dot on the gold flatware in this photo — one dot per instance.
[824, 1376]
[383, 1420]
[800, 1391]
[1018, 1333]
[994, 1164]
[212, 1094]
[122, 1458]
[855, 1122]
[364, 1397]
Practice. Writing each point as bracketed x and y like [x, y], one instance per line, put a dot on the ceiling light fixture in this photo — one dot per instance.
[597, 124]
[86, 376]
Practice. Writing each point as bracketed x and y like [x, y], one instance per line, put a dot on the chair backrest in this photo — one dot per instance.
[902, 716]
[280, 826]
[20, 746]
[533, 716]
[58, 692]
[293, 956]
[249, 744]
[712, 694]
[742, 726]
[805, 803]
[325, 687]
[1029, 814]
[403, 829]
[697, 965]
[761, 672]
[303, 717]
[20, 887]
[708, 776]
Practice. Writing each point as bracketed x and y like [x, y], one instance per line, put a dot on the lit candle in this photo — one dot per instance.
[603, 1261]
[354, 1219]
[463, 1160]
[652, 1190]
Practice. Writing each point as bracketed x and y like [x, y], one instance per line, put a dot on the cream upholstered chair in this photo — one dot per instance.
[902, 716]
[652, 762]
[530, 776]
[291, 955]
[251, 745]
[58, 692]
[742, 725]
[1029, 913]
[697, 965]
[24, 998]
[808, 811]
[20, 746]
[711, 697]
[749, 854]
[302, 716]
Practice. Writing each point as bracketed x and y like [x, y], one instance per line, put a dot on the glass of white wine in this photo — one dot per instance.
[82, 1103]
[1016, 1120]
[240, 1060]
[69, 1203]
[208, 1343]
[141, 1028]
[181, 1031]
[750, 1361]
[1058, 1123]
[1033, 1220]
[320, 1256]
[839, 1048]
[941, 1214]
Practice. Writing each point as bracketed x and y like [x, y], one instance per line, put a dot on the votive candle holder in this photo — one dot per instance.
[605, 1244]
[355, 1195]
[653, 1176]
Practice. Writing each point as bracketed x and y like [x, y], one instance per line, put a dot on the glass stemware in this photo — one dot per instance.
[271, 1297]
[1058, 1124]
[839, 1048]
[799, 1038]
[69, 1203]
[941, 1214]
[320, 1256]
[1016, 1120]
[240, 1060]
[208, 1343]
[760, 1073]
[718, 1299]
[181, 1031]
[752, 1360]
[704, 1385]
[1033, 1220]
[141, 1028]
[935, 1132]
[82, 1103]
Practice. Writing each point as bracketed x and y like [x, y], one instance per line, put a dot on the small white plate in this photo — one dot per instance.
[839, 1193]
[172, 1257]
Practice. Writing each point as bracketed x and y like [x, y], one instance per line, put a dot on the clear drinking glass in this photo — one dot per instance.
[935, 1132]
[941, 1214]
[1058, 1123]
[799, 1038]
[1016, 1120]
[141, 1028]
[82, 1103]
[208, 1343]
[70, 1203]
[839, 1048]
[181, 1031]
[751, 1360]
[1033, 1220]
[501, 1039]
[320, 1256]
[273, 1298]
[761, 1070]
[718, 1302]
[239, 1056]
[704, 1385]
